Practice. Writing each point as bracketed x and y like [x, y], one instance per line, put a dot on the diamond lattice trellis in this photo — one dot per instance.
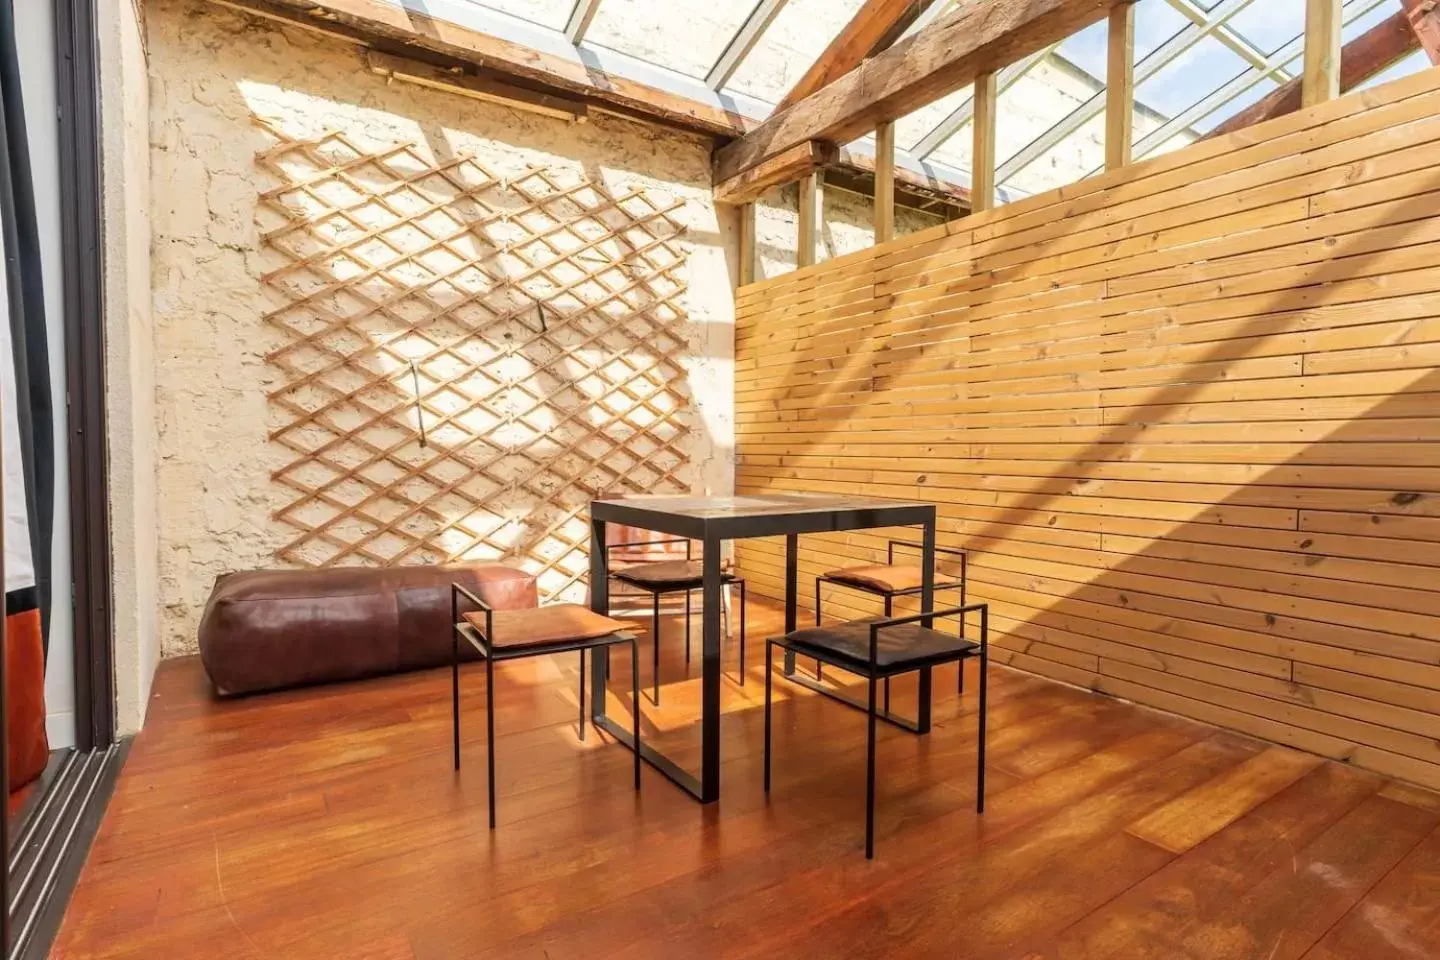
[466, 360]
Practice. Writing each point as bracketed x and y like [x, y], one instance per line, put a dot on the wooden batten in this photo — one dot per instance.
[1120, 87]
[749, 245]
[786, 168]
[885, 181]
[1321, 78]
[811, 209]
[982, 186]
[1184, 416]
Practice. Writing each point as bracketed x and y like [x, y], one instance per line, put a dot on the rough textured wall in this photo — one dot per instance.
[211, 71]
[130, 357]
[847, 227]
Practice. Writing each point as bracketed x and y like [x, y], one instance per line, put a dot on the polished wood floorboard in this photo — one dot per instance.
[328, 823]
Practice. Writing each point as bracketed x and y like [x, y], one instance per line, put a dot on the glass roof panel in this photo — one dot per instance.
[1155, 22]
[797, 36]
[1369, 19]
[914, 127]
[688, 39]
[1088, 49]
[1259, 91]
[1190, 77]
[1271, 24]
[1039, 100]
[547, 13]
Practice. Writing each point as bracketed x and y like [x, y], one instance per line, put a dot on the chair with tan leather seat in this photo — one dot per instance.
[499, 635]
[890, 580]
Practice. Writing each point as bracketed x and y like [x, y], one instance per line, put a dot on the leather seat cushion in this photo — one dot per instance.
[895, 646]
[557, 624]
[888, 578]
[666, 573]
[267, 629]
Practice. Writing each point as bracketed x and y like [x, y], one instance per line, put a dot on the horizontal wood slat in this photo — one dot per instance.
[1184, 415]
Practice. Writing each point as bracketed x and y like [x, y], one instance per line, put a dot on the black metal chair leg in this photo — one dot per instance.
[687, 628]
[455, 684]
[889, 606]
[634, 701]
[769, 670]
[490, 732]
[582, 696]
[655, 649]
[742, 633]
[819, 667]
[984, 675]
[870, 777]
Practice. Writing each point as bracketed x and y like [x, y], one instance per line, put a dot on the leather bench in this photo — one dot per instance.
[268, 629]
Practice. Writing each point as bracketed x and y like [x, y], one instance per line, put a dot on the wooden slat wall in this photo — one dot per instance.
[1184, 415]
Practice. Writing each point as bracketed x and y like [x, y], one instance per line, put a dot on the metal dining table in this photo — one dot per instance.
[712, 521]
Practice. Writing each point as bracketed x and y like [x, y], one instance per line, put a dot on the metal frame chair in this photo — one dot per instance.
[837, 645]
[888, 596]
[481, 641]
[625, 576]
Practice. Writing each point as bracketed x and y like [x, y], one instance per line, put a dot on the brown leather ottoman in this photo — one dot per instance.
[267, 629]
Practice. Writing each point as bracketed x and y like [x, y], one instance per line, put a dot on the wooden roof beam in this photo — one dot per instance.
[979, 36]
[1425, 20]
[1380, 47]
[788, 167]
[872, 24]
[399, 30]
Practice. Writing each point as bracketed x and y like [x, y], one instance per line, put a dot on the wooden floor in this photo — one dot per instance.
[328, 823]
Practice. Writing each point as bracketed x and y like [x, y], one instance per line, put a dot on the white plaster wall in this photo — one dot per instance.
[130, 355]
[211, 69]
[848, 225]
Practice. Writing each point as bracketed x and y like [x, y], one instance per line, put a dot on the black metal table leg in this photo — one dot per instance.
[710, 674]
[600, 603]
[792, 576]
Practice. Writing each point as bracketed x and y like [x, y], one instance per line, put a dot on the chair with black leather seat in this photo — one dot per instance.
[883, 648]
[890, 580]
[499, 635]
[660, 577]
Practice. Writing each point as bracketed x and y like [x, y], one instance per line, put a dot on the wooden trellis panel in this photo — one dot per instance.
[465, 360]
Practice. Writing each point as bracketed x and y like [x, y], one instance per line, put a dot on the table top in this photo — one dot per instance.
[761, 514]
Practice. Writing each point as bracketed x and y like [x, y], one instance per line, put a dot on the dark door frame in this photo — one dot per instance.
[83, 259]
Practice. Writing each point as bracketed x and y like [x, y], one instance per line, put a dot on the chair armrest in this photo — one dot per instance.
[455, 589]
[917, 545]
[878, 625]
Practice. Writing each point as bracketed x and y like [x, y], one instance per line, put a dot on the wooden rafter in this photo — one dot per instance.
[979, 36]
[852, 45]
[1424, 17]
[1380, 47]
[1321, 79]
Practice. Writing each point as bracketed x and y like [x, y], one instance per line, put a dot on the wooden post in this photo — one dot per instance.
[811, 200]
[748, 246]
[982, 178]
[885, 181]
[1120, 87]
[1322, 52]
